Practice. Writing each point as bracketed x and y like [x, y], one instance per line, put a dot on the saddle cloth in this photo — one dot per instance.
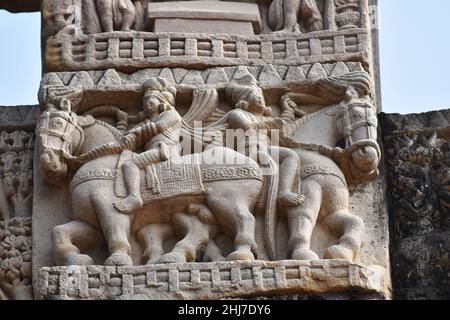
[163, 180]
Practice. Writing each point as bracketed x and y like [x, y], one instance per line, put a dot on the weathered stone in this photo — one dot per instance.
[417, 161]
[138, 184]
[178, 281]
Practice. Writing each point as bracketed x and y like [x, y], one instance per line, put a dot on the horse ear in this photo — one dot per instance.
[65, 105]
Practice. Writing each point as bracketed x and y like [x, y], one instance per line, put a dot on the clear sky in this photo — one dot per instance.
[414, 48]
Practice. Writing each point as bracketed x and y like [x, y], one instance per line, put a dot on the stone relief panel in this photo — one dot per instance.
[16, 173]
[417, 159]
[93, 35]
[141, 184]
[300, 16]
[16, 193]
[15, 259]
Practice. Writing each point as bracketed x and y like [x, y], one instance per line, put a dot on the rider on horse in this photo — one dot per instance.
[160, 135]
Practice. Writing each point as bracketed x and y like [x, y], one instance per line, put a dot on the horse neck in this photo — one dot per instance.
[314, 158]
[98, 134]
[316, 128]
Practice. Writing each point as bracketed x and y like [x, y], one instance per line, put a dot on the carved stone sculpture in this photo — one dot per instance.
[285, 15]
[206, 149]
[103, 157]
[16, 192]
[116, 14]
[417, 160]
[15, 257]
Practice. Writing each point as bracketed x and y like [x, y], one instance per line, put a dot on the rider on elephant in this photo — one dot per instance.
[252, 114]
[160, 135]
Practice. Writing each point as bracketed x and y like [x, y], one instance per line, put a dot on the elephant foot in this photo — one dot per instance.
[339, 252]
[77, 259]
[172, 257]
[119, 259]
[243, 254]
[304, 254]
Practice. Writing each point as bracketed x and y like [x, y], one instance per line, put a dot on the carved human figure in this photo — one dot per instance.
[252, 114]
[160, 135]
[116, 14]
[285, 15]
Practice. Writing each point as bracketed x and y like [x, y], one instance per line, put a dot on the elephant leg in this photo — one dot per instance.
[105, 12]
[196, 234]
[302, 221]
[351, 230]
[116, 229]
[152, 239]
[65, 253]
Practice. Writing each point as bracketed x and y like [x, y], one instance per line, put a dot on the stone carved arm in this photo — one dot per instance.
[237, 120]
[149, 129]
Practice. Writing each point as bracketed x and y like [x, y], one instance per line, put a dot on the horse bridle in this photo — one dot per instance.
[349, 127]
[65, 135]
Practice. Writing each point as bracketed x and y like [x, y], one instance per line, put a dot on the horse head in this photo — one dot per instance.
[59, 137]
[356, 121]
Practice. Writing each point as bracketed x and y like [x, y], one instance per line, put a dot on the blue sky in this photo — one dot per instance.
[414, 48]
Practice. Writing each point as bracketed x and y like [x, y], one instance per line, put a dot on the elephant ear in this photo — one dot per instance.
[86, 121]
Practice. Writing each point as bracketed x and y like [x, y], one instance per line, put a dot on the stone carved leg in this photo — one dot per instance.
[233, 210]
[289, 165]
[152, 239]
[196, 235]
[128, 14]
[116, 228]
[105, 12]
[351, 229]
[133, 201]
[302, 221]
[65, 237]
[290, 12]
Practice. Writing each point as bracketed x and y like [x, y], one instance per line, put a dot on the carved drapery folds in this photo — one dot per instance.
[16, 171]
